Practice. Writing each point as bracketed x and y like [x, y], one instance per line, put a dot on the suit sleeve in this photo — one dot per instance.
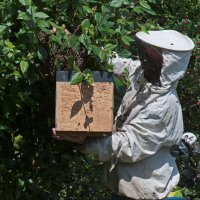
[143, 137]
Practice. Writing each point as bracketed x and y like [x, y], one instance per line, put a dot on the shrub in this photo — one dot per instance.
[39, 37]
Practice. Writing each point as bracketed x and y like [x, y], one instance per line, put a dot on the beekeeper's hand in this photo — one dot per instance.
[76, 139]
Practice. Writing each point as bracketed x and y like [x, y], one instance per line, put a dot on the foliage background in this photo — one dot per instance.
[39, 37]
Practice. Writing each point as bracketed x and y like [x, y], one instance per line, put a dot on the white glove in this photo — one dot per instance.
[120, 63]
[190, 138]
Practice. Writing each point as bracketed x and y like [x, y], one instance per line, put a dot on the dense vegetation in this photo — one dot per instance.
[39, 37]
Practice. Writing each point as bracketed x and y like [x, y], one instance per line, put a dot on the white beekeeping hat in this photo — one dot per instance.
[167, 39]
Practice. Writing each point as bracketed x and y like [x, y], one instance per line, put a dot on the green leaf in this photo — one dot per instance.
[102, 55]
[116, 3]
[91, 30]
[109, 47]
[20, 183]
[98, 18]
[9, 44]
[10, 55]
[88, 76]
[137, 9]
[25, 2]
[85, 25]
[87, 9]
[126, 39]
[127, 2]
[94, 1]
[149, 11]
[111, 31]
[40, 15]
[74, 42]
[23, 16]
[57, 38]
[142, 28]
[42, 53]
[24, 66]
[109, 67]
[16, 74]
[43, 24]
[77, 78]
[85, 40]
[46, 30]
[144, 4]
[105, 8]
[9, 24]
[125, 53]
[152, 1]
[2, 28]
[118, 83]
[17, 141]
[177, 192]
[96, 50]
[22, 2]
[3, 127]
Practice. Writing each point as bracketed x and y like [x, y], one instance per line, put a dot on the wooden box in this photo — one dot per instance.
[84, 109]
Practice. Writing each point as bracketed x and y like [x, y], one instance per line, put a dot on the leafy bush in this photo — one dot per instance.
[39, 37]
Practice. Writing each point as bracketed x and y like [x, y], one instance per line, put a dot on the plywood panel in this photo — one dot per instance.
[84, 109]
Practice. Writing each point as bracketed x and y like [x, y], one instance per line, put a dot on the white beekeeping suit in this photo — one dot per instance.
[149, 121]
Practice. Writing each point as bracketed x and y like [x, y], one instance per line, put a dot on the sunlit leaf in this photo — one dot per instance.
[177, 192]
[43, 23]
[137, 9]
[144, 4]
[77, 78]
[152, 1]
[127, 39]
[88, 76]
[85, 25]
[24, 16]
[87, 9]
[2, 29]
[25, 2]
[40, 15]
[84, 39]
[20, 182]
[102, 55]
[24, 66]
[116, 3]
[16, 74]
[109, 47]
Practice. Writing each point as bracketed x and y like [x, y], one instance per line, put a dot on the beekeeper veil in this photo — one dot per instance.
[164, 57]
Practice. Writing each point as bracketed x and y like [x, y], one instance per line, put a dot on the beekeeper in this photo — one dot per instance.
[138, 164]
